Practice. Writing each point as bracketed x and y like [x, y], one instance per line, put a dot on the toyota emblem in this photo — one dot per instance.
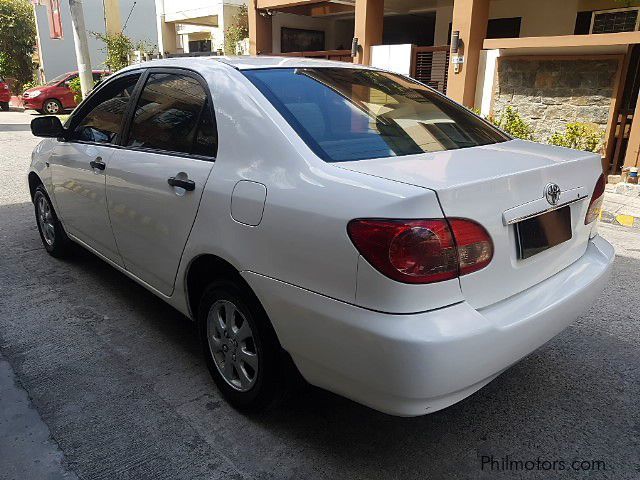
[552, 193]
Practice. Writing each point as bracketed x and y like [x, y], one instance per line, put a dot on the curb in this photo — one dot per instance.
[620, 219]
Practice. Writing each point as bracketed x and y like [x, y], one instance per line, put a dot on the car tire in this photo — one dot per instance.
[52, 107]
[4, 106]
[52, 234]
[248, 365]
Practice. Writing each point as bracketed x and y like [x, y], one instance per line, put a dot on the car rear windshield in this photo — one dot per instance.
[346, 114]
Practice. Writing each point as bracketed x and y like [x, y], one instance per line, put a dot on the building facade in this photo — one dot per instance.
[192, 26]
[556, 62]
[56, 50]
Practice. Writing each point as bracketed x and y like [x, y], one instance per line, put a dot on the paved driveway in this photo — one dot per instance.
[117, 377]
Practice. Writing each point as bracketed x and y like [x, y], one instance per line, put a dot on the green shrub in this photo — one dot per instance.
[237, 31]
[511, 122]
[74, 86]
[28, 85]
[579, 136]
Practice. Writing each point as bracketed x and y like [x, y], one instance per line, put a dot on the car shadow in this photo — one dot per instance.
[574, 397]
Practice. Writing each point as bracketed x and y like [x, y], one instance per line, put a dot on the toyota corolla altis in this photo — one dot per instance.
[342, 221]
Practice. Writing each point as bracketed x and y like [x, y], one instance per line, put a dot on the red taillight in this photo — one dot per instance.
[422, 251]
[595, 205]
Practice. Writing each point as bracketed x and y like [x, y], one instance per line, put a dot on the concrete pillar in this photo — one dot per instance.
[167, 37]
[368, 27]
[112, 17]
[260, 41]
[632, 157]
[470, 18]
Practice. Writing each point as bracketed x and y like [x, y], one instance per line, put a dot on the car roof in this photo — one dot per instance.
[253, 62]
[246, 62]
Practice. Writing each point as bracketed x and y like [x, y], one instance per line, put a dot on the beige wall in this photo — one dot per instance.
[547, 17]
[539, 17]
[444, 14]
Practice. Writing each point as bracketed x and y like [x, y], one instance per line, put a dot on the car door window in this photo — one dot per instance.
[173, 115]
[103, 122]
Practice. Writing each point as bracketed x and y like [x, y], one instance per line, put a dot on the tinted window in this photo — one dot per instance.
[102, 124]
[168, 114]
[206, 142]
[583, 23]
[348, 114]
[504, 27]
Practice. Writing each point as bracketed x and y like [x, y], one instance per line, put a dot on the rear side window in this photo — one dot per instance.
[346, 114]
[173, 114]
[103, 122]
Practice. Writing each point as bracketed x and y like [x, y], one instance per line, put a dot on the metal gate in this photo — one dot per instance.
[431, 66]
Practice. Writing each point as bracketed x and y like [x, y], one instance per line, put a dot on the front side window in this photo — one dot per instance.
[346, 114]
[103, 122]
[171, 115]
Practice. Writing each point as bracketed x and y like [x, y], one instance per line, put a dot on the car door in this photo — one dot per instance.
[154, 184]
[78, 165]
[64, 93]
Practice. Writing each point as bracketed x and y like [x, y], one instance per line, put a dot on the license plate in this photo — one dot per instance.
[537, 234]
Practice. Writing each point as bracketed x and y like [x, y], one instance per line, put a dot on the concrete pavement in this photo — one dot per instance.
[117, 378]
[26, 447]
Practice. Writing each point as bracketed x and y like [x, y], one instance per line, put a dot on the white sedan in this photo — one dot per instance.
[324, 218]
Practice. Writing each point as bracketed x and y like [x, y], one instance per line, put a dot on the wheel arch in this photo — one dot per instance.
[202, 270]
[34, 181]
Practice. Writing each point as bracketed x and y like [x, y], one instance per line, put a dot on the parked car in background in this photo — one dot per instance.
[349, 222]
[55, 96]
[5, 95]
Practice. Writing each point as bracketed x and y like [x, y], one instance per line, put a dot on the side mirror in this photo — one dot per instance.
[49, 127]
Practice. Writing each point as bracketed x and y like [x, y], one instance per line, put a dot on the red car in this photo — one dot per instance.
[5, 95]
[55, 96]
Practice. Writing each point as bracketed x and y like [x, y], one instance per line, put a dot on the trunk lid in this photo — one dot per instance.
[486, 184]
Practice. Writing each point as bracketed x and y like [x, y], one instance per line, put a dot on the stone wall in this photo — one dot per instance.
[548, 94]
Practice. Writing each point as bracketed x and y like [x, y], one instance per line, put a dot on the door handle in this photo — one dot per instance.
[97, 163]
[188, 185]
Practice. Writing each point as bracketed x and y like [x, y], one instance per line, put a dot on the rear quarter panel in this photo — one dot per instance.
[302, 238]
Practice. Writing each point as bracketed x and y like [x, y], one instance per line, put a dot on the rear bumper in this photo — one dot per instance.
[415, 364]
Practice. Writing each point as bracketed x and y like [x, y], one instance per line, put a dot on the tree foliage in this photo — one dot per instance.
[238, 30]
[17, 39]
[118, 47]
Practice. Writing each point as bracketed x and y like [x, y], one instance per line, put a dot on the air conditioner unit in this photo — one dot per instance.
[616, 20]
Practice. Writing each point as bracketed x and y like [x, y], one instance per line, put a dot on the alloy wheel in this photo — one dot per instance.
[232, 345]
[45, 219]
[52, 107]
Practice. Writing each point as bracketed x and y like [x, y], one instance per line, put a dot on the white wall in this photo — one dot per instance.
[58, 56]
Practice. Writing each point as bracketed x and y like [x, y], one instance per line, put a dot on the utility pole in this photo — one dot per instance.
[82, 47]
